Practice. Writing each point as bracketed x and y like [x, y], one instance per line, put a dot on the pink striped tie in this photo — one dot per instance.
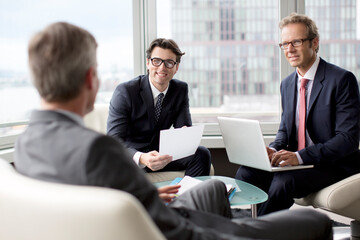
[302, 114]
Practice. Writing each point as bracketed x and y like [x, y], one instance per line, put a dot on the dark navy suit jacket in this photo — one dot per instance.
[332, 121]
[132, 115]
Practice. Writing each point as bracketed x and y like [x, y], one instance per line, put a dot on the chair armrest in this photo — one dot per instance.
[336, 196]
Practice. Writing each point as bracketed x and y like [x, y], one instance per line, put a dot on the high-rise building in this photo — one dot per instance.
[232, 53]
[231, 48]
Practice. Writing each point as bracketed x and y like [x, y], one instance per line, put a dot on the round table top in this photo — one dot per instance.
[245, 193]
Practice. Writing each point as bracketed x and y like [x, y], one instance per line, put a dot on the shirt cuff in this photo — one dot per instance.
[273, 149]
[301, 162]
[136, 159]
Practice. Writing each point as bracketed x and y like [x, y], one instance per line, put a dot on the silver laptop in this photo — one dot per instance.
[245, 144]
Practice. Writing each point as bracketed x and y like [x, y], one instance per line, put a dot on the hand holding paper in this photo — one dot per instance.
[154, 160]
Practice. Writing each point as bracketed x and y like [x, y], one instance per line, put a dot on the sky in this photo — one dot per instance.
[110, 21]
[163, 18]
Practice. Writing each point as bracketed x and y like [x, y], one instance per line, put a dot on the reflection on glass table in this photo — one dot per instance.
[246, 194]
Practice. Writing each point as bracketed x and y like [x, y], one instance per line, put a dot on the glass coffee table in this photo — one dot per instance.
[246, 194]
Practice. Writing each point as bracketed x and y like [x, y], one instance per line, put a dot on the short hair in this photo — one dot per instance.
[59, 58]
[165, 44]
[311, 28]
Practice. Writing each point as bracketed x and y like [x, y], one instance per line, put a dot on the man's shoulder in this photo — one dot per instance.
[335, 75]
[178, 84]
[334, 68]
[132, 84]
[291, 77]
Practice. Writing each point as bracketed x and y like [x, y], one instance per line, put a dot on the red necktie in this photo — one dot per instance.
[302, 114]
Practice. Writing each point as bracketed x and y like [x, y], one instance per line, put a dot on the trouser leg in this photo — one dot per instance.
[283, 187]
[288, 185]
[209, 196]
[259, 178]
[288, 224]
[283, 225]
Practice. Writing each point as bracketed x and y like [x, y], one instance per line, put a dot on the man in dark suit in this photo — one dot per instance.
[57, 147]
[134, 107]
[324, 133]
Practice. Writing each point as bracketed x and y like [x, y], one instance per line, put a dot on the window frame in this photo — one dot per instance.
[144, 31]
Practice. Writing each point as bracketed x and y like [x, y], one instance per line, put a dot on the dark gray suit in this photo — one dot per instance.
[58, 149]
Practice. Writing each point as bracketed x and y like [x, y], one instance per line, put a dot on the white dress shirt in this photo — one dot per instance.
[310, 75]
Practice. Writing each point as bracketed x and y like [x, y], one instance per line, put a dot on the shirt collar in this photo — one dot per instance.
[310, 74]
[71, 115]
[155, 91]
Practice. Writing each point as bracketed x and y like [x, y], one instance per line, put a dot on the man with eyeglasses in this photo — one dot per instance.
[141, 107]
[319, 124]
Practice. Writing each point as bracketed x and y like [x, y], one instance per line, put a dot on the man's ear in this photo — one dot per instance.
[315, 41]
[177, 67]
[89, 83]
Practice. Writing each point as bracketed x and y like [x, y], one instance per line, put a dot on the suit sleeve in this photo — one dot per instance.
[110, 165]
[119, 115]
[183, 117]
[345, 130]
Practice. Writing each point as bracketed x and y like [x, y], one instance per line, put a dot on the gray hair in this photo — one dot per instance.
[59, 58]
[311, 28]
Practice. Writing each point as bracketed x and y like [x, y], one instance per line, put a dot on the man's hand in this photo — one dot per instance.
[154, 160]
[167, 193]
[284, 158]
[270, 152]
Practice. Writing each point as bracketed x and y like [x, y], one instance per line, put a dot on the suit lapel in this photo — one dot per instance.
[147, 97]
[317, 85]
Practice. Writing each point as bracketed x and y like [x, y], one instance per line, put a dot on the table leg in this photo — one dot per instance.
[253, 210]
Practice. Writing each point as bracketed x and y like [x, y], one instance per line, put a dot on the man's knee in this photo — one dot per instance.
[216, 184]
[245, 173]
[283, 184]
[204, 154]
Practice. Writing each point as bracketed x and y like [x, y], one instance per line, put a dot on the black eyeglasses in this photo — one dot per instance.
[294, 43]
[158, 61]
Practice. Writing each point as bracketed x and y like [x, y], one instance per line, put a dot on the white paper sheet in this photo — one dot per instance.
[187, 183]
[180, 142]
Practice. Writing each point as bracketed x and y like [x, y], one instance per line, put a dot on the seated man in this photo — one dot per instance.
[141, 107]
[319, 124]
[57, 147]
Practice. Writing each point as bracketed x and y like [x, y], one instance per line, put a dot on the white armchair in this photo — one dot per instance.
[342, 198]
[97, 120]
[32, 209]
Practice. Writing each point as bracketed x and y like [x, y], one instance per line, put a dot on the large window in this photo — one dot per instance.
[232, 57]
[339, 31]
[232, 64]
[110, 21]
[232, 61]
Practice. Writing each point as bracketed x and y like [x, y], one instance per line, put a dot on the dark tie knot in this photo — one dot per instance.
[160, 97]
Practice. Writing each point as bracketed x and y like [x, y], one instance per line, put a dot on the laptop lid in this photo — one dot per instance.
[244, 143]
